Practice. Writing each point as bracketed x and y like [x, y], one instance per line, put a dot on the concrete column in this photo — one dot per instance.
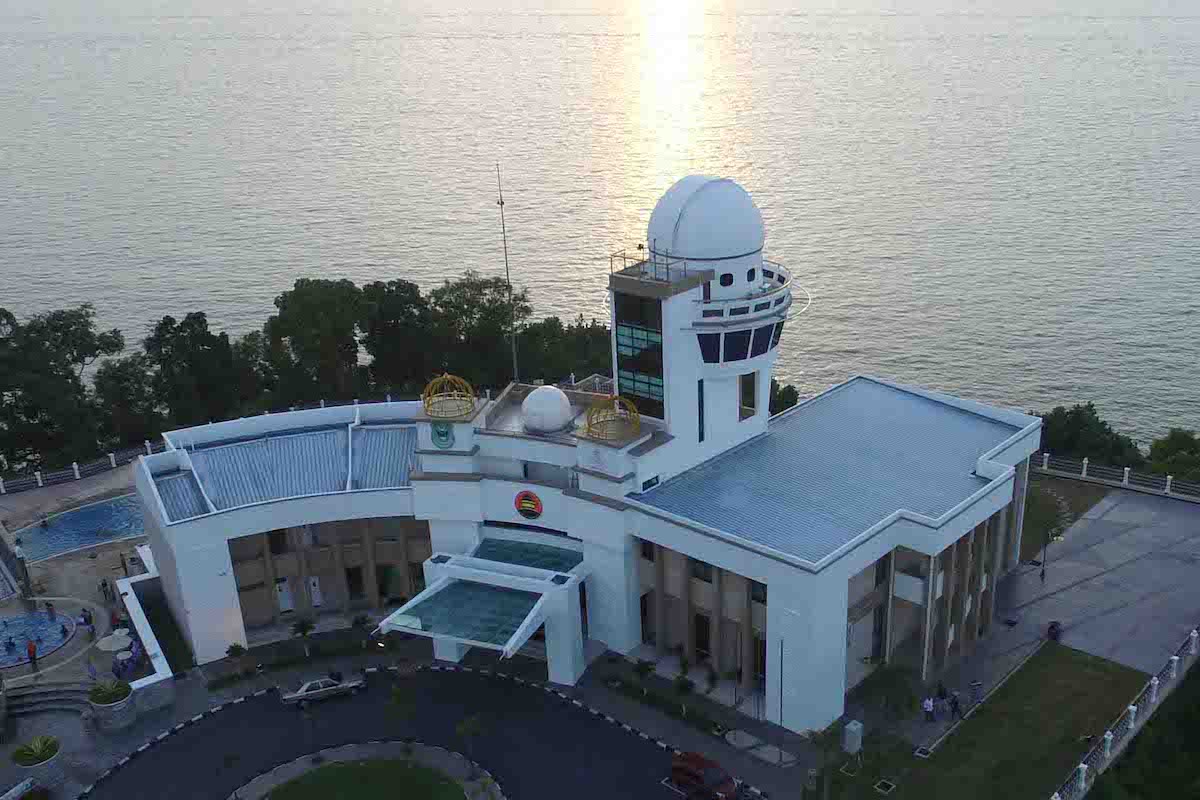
[927, 632]
[564, 636]
[747, 627]
[1020, 490]
[948, 615]
[660, 600]
[891, 594]
[996, 571]
[806, 650]
[369, 575]
[339, 566]
[269, 574]
[302, 596]
[446, 650]
[685, 610]
[614, 591]
[983, 618]
[405, 578]
[967, 617]
[714, 625]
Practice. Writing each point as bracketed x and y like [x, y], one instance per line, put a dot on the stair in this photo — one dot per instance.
[50, 696]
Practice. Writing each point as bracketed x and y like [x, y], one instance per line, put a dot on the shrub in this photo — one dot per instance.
[360, 621]
[644, 668]
[36, 751]
[108, 692]
[683, 685]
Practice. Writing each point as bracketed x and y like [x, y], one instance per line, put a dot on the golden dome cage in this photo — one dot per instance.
[613, 418]
[448, 397]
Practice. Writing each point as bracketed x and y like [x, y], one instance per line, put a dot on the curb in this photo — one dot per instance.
[567, 699]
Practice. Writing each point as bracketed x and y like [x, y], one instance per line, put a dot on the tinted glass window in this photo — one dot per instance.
[762, 340]
[777, 334]
[702, 571]
[647, 550]
[737, 345]
[758, 592]
[639, 352]
[750, 275]
[727, 279]
[710, 347]
[712, 312]
[707, 291]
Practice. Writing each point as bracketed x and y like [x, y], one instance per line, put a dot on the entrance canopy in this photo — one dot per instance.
[483, 603]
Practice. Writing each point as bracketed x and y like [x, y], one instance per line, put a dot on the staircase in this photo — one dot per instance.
[48, 696]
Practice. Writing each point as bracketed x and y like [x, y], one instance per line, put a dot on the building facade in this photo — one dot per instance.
[793, 554]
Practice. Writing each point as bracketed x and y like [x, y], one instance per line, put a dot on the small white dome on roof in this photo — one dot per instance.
[546, 409]
[705, 218]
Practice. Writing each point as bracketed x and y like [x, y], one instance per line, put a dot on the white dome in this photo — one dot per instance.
[546, 409]
[702, 218]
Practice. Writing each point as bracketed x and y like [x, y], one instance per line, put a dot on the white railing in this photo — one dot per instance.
[1123, 477]
[1131, 720]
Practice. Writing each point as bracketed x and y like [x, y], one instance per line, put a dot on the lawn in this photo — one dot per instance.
[1042, 509]
[1021, 744]
[370, 780]
[170, 638]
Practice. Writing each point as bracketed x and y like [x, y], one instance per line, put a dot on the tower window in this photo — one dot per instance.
[750, 275]
[727, 279]
[737, 344]
[747, 395]
[762, 340]
[639, 352]
[758, 592]
[776, 335]
[710, 347]
[647, 550]
[700, 406]
[707, 291]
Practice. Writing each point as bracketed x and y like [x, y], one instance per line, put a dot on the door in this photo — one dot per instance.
[703, 638]
[314, 591]
[283, 592]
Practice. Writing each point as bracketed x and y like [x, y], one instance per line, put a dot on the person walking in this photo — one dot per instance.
[927, 706]
[31, 651]
[955, 707]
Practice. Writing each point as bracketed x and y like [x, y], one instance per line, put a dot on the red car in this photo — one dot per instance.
[700, 778]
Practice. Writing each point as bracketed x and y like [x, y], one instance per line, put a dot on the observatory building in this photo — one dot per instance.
[663, 514]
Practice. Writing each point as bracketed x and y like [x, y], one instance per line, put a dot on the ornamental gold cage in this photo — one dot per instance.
[613, 418]
[448, 397]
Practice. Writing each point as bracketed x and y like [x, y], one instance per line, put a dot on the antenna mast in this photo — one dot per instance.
[512, 310]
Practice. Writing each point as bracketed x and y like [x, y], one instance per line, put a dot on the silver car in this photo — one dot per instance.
[320, 689]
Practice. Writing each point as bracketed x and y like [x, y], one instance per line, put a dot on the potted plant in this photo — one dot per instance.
[237, 653]
[38, 759]
[112, 705]
[302, 628]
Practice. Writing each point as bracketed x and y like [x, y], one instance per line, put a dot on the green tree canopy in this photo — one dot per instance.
[314, 339]
[127, 408]
[396, 330]
[1079, 432]
[46, 413]
[1177, 454]
[782, 397]
[471, 320]
[194, 371]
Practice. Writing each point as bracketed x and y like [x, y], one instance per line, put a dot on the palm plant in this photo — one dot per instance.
[36, 751]
[109, 692]
[302, 628]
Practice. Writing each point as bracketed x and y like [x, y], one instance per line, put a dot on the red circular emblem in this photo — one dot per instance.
[528, 505]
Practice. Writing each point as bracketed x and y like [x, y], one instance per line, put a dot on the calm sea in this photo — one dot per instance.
[999, 198]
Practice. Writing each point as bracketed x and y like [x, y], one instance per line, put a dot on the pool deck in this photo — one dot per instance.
[24, 508]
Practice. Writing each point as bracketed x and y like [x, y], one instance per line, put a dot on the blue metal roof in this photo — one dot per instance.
[180, 495]
[383, 457]
[835, 466]
[273, 468]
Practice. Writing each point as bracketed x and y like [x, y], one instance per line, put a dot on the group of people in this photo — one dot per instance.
[939, 705]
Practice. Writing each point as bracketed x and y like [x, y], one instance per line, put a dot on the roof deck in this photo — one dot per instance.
[839, 464]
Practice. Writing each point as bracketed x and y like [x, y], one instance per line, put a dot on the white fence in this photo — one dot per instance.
[1119, 734]
[1124, 477]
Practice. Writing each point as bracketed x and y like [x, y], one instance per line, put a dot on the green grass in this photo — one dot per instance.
[1042, 510]
[170, 638]
[1021, 744]
[370, 780]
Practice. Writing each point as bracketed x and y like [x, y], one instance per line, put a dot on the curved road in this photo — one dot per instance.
[538, 746]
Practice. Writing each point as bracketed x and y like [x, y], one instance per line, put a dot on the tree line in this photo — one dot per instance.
[311, 349]
[1079, 432]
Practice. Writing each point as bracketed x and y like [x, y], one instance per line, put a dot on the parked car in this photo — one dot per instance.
[700, 778]
[321, 688]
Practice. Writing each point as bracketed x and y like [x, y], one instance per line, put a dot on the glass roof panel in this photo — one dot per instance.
[528, 554]
[475, 611]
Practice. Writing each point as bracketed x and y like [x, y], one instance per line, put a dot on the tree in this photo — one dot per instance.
[237, 652]
[552, 351]
[126, 405]
[1177, 454]
[303, 628]
[194, 370]
[1079, 432]
[47, 416]
[397, 327]
[782, 397]
[254, 372]
[471, 319]
[469, 729]
[314, 339]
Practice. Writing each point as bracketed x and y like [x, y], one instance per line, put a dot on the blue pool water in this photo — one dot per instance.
[119, 518]
[38, 626]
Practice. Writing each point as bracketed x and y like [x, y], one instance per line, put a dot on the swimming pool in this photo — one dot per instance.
[38, 626]
[106, 521]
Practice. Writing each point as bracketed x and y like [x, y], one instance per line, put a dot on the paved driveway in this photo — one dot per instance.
[537, 746]
[1124, 581]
